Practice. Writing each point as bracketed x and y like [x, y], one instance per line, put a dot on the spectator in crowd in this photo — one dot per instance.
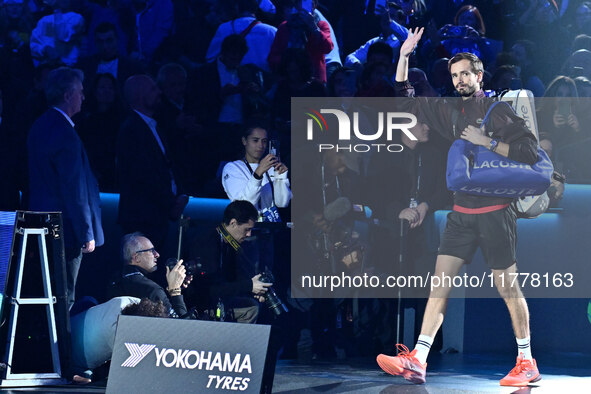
[582, 22]
[297, 80]
[99, 125]
[228, 278]
[582, 41]
[333, 58]
[540, 24]
[524, 53]
[559, 121]
[468, 15]
[583, 87]
[60, 177]
[259, 177]
[56, 38]
[578, 64]
[108, 59]
[149, 193]
[139, 259]
[303, 30]
[503, 78]
[392, 34]
[218, 99]
[259, 36]
[342, 83]
[440, 78]
[16, 65]
[466, 34]
[215, 93]
[375, 81]
[10, 180]
[153, 23]
[181, 129]
[113, 12]
[418, 80]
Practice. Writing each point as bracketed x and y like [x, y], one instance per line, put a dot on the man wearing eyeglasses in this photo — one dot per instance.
[139, 259]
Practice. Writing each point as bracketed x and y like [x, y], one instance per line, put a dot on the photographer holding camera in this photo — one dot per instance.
[139, 259]
[226, 276]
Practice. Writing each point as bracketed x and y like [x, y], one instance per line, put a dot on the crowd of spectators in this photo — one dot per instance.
[170, 86]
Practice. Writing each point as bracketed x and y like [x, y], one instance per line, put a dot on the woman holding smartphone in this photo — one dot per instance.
[559, 118]
[258, 177]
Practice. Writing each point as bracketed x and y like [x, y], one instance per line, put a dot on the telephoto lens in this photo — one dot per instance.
[272, 300]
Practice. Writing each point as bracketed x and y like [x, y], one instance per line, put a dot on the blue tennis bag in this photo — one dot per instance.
[476, 170]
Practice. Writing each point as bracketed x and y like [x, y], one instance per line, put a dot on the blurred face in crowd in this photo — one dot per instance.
[464, 79]
[151, 95]
[14, 10]
[240, 231]
[420, 131]
[105, 91]
[545, 14]
[73, 99]
[232, 59]
[468, 18]
[255, 145]
[583, 17]
[335, 162]
[107, 45]
[344, 84]
[174, 87]
[146, 256]
[518, 51]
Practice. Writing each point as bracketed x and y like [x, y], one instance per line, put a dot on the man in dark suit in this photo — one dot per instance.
[107, 58]
[149, 193]
[60, 178]
[182, 131]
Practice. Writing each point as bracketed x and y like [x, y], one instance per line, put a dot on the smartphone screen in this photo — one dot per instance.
[564, 108]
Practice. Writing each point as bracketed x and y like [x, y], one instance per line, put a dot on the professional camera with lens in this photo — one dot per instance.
[272, 300]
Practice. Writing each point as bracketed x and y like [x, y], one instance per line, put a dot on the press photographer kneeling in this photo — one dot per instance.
[227, 284]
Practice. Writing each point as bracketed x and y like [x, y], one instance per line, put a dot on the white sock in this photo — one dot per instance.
[523, 346]
[423, 346]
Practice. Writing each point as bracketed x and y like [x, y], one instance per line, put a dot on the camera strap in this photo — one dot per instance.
[223, 232]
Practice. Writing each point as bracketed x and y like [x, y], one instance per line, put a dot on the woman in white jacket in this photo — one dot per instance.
[258, 178]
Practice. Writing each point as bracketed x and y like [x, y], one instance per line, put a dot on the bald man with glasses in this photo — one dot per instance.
[139, 259]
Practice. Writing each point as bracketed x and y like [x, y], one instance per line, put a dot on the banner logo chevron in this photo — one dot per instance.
[137, 353]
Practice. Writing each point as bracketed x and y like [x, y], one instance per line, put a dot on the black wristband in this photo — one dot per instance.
[256, 176]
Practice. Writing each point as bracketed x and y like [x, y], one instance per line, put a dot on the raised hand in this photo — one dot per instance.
[409, 45]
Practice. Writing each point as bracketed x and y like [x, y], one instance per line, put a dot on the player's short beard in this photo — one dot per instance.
[468, 91]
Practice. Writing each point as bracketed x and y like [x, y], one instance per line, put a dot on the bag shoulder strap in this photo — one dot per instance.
[245, 32]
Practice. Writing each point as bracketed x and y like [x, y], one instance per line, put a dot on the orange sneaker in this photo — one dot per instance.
[524, 373]
[405, 364]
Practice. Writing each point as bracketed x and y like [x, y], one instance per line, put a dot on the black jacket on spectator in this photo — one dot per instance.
[133, 282]
[144, 176]
[204, 94]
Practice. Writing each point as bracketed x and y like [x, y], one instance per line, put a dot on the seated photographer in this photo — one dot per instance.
[259, 177]
[226, 275]
[139, 259]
